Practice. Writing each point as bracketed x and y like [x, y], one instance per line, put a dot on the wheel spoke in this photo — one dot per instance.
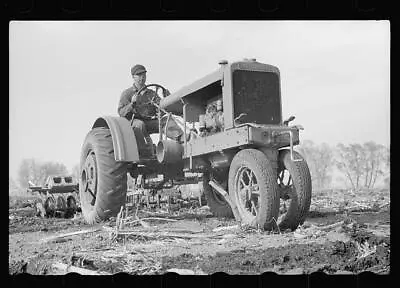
[290, 179]
[91, 192]
[247, 191]
[242, 182]
[248, 194]
[252, 177]
[255, 190]
[281, 176]
[90, 175]
[243, 195]
[253, 208]
[248, 176]
[283, 208]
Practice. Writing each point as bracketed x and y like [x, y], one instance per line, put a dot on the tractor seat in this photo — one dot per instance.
[175, 128]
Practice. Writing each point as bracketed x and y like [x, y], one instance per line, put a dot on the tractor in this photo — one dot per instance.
[228, 128]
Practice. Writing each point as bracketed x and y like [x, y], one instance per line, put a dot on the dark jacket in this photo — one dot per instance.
[141, 108]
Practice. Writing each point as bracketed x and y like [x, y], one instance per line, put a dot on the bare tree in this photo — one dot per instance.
[387, 167]
[323, 165]
[381, 163]
[350, 161]
[365, 162]
[53, 168]
[320, 161]
[29, 170]
[32, 170]
[13, 188]
[375, 163]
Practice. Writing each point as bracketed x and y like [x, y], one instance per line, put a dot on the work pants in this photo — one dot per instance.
[142, 130]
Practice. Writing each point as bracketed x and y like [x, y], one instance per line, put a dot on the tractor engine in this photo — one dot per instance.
[213, 121]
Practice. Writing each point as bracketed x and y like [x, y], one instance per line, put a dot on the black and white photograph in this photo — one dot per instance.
[197, 147]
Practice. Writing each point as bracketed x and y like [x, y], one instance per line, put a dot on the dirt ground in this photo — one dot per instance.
[345, 233]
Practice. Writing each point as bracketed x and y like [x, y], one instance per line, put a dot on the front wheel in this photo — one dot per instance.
[103, 181]
[252, 184]
[294, 182]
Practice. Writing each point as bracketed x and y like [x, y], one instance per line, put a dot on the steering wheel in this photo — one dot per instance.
[157, 88]
[155, 100]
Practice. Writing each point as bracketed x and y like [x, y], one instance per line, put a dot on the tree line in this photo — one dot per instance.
[361, 165]
[37, 172]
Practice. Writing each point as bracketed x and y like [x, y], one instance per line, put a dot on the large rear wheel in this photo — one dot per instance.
[294, 182]
[103, 181]
[252, 184]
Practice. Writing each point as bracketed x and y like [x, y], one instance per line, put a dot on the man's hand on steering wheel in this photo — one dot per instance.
[154, 99]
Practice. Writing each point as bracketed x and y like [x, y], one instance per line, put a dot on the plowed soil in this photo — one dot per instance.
[360, 241]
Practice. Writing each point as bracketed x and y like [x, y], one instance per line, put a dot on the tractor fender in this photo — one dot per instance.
[123, 137]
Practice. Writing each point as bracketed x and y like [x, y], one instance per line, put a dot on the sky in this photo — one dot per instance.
[64, 75]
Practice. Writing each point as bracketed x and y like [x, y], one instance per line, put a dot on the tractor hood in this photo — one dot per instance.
[174, 102]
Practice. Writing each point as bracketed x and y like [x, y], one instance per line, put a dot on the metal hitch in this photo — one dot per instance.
[291, 145]
[226, 196]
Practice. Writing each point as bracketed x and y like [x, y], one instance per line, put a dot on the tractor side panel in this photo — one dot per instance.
[227, 139]
[123, 137]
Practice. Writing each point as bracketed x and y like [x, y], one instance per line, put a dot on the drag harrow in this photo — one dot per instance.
[58, 197]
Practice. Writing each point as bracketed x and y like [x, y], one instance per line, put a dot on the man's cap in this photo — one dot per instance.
[137, 69]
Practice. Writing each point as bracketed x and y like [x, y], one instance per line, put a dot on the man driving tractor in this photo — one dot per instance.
[249, 168]
[139, 108]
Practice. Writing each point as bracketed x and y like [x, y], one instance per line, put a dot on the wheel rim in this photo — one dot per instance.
[287, 192]
[247, 192]
[89, 179]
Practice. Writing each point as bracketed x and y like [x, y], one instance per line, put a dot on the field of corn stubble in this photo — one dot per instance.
[345, 233]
